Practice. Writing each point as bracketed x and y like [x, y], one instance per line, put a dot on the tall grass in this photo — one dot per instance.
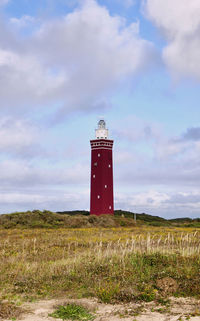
[113, 264]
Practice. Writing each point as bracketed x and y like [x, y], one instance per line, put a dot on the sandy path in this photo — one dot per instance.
[179, 309]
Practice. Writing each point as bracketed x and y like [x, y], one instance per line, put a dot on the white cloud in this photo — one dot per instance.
[88, 52]
[176, 18]
[24, 81]
[123, 156]
[54, 200]
[151, 198]
[136, 129]
[22, 22]
[19, 137]
[168, 204]
[179, 20]
[25, 173]
[3, 2]
[147, 156]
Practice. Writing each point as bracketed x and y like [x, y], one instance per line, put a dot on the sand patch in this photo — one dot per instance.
[179, 309]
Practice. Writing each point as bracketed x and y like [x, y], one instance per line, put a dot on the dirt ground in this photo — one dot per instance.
[179, 309]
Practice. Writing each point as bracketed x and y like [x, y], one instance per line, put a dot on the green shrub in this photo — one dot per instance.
[108, 292]
[72, 312]
[147, 296]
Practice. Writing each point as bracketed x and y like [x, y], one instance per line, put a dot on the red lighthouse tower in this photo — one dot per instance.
[101, 194]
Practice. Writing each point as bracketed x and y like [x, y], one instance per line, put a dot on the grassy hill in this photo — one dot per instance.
[47, 219]
[81, 219]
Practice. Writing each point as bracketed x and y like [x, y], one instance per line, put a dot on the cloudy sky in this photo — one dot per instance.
[66, 63]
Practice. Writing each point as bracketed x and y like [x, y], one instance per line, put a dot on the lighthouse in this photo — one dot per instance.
[101, 193]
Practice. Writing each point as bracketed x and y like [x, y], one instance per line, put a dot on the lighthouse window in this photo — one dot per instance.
[99, 155]
[98, 196]
[110, 207]
[93, 176]
[106, 186]
[95, 164]
[109, 165]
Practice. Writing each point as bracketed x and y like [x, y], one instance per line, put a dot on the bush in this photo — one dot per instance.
[72, 312]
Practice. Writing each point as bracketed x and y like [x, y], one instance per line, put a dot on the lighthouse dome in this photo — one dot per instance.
[102, 124]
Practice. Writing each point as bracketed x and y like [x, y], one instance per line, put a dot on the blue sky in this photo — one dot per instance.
[66, 63]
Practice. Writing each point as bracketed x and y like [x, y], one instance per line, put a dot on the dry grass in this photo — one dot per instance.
[111, 263]
[9, 311]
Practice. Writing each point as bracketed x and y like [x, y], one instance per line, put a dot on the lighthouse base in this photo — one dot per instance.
[101, 214]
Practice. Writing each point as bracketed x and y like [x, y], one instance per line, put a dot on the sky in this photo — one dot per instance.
[64, 64]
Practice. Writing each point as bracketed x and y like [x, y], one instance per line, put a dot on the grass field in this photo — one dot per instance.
[113, 264]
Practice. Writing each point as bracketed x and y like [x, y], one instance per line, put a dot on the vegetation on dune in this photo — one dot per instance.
[71, 213]
[113, 264]
[72, 312]
[45, 255]
[79, 219]
[9, 311]
[47, 219]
